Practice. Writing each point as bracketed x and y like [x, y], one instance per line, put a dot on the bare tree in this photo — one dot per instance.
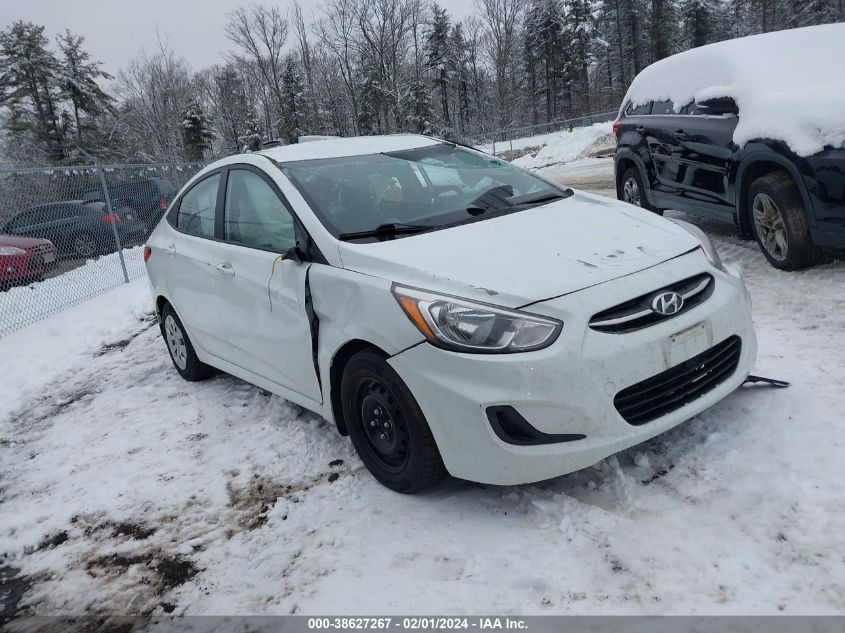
[154, 89]
[336, 31]
[261, 33]
[501, 18]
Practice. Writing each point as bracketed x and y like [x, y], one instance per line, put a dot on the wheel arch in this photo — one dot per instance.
[338, 363]
[761, 164]
[624, 160]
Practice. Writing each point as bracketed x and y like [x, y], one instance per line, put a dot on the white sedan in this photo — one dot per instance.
[447, 310]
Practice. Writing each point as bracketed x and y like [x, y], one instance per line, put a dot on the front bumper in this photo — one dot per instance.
[569, 387]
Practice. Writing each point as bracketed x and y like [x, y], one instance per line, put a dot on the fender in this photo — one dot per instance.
[627, 154]
[769, 156]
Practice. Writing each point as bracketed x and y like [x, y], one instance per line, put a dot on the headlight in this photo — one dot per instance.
[466, 326]
[706, 245]
[11, 250]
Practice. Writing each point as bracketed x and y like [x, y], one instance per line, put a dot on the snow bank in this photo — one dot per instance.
[789, 85]
[561, 147]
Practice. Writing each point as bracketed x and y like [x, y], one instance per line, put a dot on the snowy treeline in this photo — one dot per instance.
[357, 67]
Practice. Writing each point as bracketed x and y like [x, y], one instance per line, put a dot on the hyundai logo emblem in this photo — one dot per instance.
[667, 303]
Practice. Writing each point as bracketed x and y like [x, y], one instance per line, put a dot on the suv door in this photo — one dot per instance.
[703, 149]
[261, 297]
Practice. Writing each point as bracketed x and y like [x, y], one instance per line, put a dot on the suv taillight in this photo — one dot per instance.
[108, 218]
[616, 125]
[147, 252]
[162, 203]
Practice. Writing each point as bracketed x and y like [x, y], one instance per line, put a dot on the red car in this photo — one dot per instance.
[24, 259]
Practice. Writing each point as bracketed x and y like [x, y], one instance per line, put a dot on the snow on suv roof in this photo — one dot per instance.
[350, 146]
[788, 85]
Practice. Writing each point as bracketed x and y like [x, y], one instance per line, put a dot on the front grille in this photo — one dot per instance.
[680, 385]
[637, 313]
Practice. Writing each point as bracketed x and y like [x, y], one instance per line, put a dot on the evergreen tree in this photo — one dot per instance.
[700, 22]
[437, 43]
[28, 86]
[250, 140]
[293, 108]
[195, 130]
[419, 108]
[77, 80]
[662, 28]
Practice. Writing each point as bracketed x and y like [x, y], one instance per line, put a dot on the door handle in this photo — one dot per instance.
[170, 250]
[225, 269]
[680, 135]
[640, 128]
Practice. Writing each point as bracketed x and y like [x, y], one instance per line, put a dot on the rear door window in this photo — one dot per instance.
[662, 107]
[197, 208]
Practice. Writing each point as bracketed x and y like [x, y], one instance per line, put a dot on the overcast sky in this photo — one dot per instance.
[115, 31]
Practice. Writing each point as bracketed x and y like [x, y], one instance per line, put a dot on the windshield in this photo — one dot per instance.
[382, 196]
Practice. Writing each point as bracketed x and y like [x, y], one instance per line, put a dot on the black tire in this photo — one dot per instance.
[189, 367]
[633, 191]
[395, 443]
[782, 232]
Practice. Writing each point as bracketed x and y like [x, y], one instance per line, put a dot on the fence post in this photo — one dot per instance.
[110, 209]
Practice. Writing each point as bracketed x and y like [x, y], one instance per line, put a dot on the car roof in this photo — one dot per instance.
[350, 146]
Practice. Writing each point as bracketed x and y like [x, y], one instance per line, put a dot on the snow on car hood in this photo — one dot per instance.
[527, 256]
[787, 84]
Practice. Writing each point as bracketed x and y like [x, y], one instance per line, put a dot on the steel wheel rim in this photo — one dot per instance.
[84, 245]
[385, 430]
[631, 192]
[770, 226]
[176, 342]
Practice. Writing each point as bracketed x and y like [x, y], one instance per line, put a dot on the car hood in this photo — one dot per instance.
[21, 242]
[528, 256]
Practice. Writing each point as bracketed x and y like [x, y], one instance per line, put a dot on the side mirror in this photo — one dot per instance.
[718, 107]
[293, 254]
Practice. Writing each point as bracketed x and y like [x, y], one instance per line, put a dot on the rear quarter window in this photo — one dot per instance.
[639, 110]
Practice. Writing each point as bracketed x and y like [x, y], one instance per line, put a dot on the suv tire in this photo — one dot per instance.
[182, 353]
[387, 426]
[632, 190]
[779, 221]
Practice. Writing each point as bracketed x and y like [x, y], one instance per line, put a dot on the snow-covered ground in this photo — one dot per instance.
[127, 490]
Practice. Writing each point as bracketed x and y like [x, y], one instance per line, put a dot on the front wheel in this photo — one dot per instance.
[633, 190]
[780, 222]
[387, 426]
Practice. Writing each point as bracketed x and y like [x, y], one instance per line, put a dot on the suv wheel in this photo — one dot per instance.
[780, 222]
[84, 245]
[181, 350]
[387, 427]
[633, 191]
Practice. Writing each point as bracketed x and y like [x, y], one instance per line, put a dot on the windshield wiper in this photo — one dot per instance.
[389, 229]
[546, 195]
[495, 197]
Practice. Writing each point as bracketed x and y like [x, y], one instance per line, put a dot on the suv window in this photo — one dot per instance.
[196, 210]
[254, 215]
[638, 110]
[663, 107]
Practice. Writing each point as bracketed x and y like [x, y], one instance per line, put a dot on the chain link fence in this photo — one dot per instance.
[69, 233]
[499, 141]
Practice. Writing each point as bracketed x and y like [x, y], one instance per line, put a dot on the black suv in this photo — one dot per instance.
[147, 197]
[688, 161]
